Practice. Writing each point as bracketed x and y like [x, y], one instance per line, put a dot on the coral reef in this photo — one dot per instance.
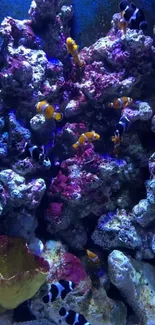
[93, 304]
[63, 195]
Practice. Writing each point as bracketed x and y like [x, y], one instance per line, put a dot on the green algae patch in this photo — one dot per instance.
[21, 272]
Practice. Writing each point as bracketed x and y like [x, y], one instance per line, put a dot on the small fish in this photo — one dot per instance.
[117, 139]
[132, 15]
[59, 289]
[72, 48]
[122, 125]
[86, 137]
[35, 152]
[121, 102]
[123, 25]
[48, 111]
[93, 257]
[73, 318]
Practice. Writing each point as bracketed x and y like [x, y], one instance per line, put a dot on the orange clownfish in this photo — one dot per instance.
[48, 111]
[121, 102]
[86, 137]
[72, 48]
[93, 257]
[123, 25]
[117, 139]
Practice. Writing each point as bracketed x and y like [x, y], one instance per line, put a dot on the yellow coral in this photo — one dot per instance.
[21, 272]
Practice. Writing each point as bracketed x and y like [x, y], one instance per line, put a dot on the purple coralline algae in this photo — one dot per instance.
[65, 195]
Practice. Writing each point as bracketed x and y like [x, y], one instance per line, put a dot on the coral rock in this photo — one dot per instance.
[18, 202]
[144, 211]
[94, 304]
[63, 265]
[116, 230]
[29, 166]
[37, 122]
[20, 193]
[141, 111]
[42, 321]
[135, 280]
[18, 135]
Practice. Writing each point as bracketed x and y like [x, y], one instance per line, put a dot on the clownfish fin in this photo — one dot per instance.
[75, 145]
[58, 116]
[81, 64]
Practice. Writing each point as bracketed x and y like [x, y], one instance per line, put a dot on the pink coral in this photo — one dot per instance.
[54, 211]
[74, 185]
[71, 269]
[62, 185]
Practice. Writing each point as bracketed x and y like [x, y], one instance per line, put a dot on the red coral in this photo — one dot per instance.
[71, 269]
[54, 211]
[63, 186]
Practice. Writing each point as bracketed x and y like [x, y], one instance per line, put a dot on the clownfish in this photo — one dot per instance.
[117, 139]
[132, 16]
[86, 137]
[121, 102]
[35, 152]
[73, 318]
[123, 25]
[72, 48]
[93, 257]
[59, 289]
[48, 111]
[121, 127]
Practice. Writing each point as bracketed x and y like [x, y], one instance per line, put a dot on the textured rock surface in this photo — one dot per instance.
[95, 306]
[42, 321]
[18, 203]
[144, 212]
[116, 230]
[136, 282]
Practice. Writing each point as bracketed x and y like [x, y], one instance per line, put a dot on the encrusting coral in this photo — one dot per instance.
[21, 272]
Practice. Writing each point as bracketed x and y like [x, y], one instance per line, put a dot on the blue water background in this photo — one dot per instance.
[91, 17]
